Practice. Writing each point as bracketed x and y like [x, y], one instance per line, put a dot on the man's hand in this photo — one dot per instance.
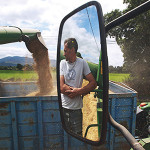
[73, 92]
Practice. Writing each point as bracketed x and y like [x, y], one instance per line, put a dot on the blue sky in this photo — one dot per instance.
[46, 15]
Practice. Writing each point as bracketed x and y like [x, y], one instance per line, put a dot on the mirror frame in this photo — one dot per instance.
[104, 67]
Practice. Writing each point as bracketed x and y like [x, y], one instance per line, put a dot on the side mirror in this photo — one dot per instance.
[86, 25]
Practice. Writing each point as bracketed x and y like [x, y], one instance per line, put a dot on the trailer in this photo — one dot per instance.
[28, 123]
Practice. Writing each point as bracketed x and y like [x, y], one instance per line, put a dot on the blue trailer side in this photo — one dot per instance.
[28, 123]
[32, 123]
[122, 107]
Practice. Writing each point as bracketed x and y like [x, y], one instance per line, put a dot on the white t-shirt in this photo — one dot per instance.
[73, 74]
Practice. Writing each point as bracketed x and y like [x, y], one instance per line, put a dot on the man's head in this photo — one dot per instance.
[71, 43]
[70, 49]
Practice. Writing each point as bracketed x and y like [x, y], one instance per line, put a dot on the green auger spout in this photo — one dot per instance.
[11, 34]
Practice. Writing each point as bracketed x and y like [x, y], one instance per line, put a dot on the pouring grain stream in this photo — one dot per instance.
[42, 66]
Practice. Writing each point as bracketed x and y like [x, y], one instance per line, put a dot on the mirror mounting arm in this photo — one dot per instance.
[129, 15]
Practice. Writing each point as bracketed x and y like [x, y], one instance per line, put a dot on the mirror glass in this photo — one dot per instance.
[84, 27]
[129, 74]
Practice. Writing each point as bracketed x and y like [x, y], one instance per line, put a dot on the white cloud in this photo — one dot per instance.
[13, 49]
[115, 56]
[36, 13]
[108, 6]
[46, 16]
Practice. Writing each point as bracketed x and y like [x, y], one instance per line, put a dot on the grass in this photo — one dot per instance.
[118, 77]
[12, 75]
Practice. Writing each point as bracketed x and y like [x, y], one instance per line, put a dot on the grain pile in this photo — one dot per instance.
[90, 115]
[42, 67]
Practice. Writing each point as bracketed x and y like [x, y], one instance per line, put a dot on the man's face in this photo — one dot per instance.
[67, 52]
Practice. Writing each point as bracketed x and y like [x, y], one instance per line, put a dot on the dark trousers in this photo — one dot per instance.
[73, 120]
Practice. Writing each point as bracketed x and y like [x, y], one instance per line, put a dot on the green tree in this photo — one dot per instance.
[134, 40]
[19, 66]
[27, 67]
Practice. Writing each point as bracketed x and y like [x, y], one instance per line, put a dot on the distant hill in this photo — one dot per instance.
[13, 61]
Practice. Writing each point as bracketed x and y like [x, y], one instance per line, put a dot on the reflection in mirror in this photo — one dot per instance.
[129, 61]
[80, 111]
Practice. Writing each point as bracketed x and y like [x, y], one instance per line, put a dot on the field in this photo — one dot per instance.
[118, 77]
[12, 75]
[9, 75]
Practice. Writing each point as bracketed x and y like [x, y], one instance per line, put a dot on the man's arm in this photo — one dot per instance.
[64, 87]
[84, 90]
[90, 86]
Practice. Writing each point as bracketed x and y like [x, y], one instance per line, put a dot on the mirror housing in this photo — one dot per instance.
[104, 69]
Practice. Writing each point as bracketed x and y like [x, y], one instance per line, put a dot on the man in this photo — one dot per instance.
[72, 71]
